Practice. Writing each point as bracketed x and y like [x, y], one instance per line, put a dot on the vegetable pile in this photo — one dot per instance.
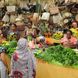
[58, 35]
[59, 54]
[10, 47]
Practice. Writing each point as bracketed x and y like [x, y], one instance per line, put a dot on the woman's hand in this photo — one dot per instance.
[10, 75]
[69, 44]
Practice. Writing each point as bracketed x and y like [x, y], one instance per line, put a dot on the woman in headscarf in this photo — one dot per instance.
[23, 61]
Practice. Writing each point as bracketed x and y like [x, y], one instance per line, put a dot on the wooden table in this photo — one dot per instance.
[45, 70]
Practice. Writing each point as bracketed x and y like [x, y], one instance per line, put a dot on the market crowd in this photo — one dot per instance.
[32, 31]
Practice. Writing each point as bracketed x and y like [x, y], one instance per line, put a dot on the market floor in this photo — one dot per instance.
[45, 70]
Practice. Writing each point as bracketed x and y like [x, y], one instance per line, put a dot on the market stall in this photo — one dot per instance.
[56, 70]
[51, 30]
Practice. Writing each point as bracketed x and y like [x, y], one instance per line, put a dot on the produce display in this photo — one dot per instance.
[59, 55]
[9, 46]
[58, 35]
[53, 54]
[11, 37]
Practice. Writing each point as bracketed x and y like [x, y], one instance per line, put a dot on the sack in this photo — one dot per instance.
[11, 8]
[11, 2]
[35, 18]
[45, 16]
[2, 4]
[57, 18]
[6, 18]
[54, 10]
[66, 1]
[13, 18]
[73, 0]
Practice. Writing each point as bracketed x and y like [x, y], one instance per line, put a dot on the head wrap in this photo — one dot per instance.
[22, 58]
[22, 44]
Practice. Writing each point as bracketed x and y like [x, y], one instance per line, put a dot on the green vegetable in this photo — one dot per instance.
[11, 51]
[60, 55]
[13, 44]
[38, 53]
[10, 48]
[12, 37]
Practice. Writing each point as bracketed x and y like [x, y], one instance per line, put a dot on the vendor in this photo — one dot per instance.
[74, 29]
[35, 32]
[68, 40]
[29, 31]
[13, 31]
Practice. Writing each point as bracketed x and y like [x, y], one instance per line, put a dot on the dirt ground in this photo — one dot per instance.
[45, 70]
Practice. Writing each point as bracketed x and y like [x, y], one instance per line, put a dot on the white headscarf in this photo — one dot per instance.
[23, 56]
[22, 44]
[22, 48]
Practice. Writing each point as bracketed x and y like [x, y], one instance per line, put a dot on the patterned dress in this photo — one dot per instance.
[23, 63]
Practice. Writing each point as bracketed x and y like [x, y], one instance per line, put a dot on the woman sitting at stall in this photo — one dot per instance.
[13, 33]
[68, 40]
[29, 31]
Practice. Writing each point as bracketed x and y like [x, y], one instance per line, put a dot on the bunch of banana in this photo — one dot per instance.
[12, 37]
[58, 35]
[5, 43]
[75, 32]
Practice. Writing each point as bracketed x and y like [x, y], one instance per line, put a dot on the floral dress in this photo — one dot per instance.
[21, 67]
